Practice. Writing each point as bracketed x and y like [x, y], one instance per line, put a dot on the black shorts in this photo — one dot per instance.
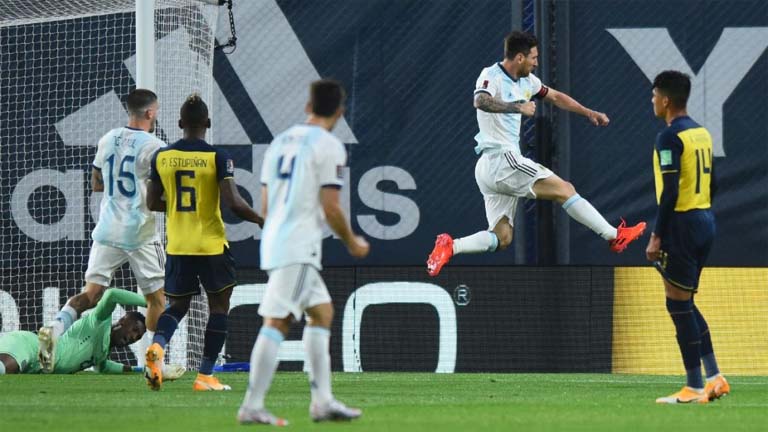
[685, 246]
[185, 273]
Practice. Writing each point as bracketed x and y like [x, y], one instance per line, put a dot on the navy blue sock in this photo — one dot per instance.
[707, 352]
[688, 338]
[166, 326]
[215, 336]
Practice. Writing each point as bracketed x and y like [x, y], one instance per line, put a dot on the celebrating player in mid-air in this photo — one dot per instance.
[194, 177]
[502, 96]
[685, 229]
[301, 177]
[87, 343]
[126, 230]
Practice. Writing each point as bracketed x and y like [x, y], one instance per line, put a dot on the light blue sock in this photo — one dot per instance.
[67, 316]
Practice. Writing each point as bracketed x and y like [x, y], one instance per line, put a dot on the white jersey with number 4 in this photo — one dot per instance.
[298, 163]
[123, 157]
[501, 131]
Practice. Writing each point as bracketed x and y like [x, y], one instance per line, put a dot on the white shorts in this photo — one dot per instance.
[147, 264]
[291, 290]
[504, 178]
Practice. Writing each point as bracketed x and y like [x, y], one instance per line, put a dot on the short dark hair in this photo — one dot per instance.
[137, 316]
[675, 85]
[194, 112]
[519, 43]
[326, 96]
[139, 100]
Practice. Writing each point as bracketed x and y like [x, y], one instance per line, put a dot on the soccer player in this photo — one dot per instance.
[87, 343]
[125, 231]
[301, 177]
[685, 228]
[194, 176]
[503, 95]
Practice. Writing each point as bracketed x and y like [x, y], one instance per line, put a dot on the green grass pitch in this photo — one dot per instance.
[391, 402]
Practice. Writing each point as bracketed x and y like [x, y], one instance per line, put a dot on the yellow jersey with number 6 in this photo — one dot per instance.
[190, 172]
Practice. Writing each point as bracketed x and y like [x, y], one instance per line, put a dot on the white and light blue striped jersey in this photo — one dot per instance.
[123, 157]
[298, 163]
[499, 131]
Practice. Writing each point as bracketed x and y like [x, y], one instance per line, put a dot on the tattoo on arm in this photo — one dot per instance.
[488, 103]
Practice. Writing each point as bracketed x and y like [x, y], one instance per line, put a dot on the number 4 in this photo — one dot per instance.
[701, 166]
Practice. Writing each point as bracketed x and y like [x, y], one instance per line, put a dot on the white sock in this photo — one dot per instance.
[483, 241]
[582, 211]
[2, 368]
[263, 365]
[64, 319]
[317, 342]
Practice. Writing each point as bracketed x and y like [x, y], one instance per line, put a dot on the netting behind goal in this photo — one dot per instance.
[66, 66]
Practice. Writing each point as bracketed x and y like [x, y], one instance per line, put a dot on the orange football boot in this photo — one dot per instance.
[717, 388]
[440, 255]
[626, 235]
[208, 383]
[686, 395]
[153, 366]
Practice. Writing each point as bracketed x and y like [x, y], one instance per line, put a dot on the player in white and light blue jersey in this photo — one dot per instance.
[298, 164]
[122, 159]
[125, 231]
[503, 94]
[301, 177]
[502, 132]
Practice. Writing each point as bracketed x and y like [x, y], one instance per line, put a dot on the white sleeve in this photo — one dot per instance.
[265, 165]
[98, 160]
[538, 90]
[331, 166]
[143, 165]
[486, 83]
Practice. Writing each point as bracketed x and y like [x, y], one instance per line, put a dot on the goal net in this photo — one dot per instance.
[66, 67]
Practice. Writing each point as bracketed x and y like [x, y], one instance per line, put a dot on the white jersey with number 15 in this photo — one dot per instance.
[123, 157]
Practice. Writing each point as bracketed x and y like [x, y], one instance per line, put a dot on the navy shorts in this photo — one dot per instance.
[184, 274]
[685, 247]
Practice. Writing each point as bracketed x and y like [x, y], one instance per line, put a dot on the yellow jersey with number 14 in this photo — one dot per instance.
[685, 147]
[190, 172]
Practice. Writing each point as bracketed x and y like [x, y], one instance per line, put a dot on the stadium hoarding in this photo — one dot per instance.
[469, 319]
[482, 319]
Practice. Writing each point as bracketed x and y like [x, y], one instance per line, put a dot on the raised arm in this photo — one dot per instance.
[486, 102]
[563, 101]
[114, 297]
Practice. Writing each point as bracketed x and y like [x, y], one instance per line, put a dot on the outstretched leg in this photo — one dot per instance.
[553, 188]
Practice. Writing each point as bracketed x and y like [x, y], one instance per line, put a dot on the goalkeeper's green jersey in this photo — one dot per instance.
[86, 343]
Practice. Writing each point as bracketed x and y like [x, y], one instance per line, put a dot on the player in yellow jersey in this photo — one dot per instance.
[195, 177]
[685, 228]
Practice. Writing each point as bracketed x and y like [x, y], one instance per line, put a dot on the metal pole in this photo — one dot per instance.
[145, 44]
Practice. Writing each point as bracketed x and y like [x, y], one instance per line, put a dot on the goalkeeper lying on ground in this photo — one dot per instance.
[87, 343]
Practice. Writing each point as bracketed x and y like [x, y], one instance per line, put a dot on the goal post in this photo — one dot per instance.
[67, 67]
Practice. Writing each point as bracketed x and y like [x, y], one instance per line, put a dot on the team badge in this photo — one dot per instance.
[666, 157]
[340, 171]
[485, 84]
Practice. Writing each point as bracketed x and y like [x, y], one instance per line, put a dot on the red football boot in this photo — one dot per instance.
[440, 255]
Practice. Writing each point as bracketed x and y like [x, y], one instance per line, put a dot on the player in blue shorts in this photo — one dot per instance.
[685, 228]
[194, 177]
